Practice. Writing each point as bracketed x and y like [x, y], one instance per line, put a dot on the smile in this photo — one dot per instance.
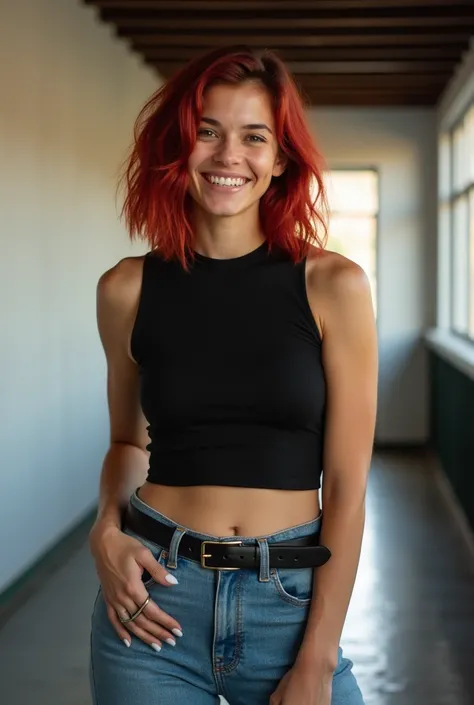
[225, 182]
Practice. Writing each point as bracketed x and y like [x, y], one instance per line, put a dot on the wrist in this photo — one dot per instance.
[324, 660]
[102, 528]
[111, 514]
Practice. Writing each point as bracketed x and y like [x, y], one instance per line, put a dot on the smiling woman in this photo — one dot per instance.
[241, 368]
[231, 113]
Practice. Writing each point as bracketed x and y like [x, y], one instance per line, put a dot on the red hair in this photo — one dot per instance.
[157, 205]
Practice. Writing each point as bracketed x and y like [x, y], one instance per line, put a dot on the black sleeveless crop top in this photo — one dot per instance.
[231, 379]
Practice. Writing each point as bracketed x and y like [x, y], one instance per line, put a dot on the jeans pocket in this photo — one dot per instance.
[293, 585]
[158, 553]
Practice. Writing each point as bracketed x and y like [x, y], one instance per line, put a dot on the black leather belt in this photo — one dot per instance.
[303, 552]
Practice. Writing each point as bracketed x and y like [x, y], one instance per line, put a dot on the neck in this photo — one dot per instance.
[224, 237]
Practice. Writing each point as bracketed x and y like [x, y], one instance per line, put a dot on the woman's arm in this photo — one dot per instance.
[120, 559]
[339, 290]
[126, 462]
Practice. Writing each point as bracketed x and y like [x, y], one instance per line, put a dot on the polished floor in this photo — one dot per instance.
[410, 628]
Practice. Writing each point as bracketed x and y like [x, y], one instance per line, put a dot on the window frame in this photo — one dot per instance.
[450, 200]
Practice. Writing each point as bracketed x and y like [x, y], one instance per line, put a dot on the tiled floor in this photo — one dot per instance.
[410, 629]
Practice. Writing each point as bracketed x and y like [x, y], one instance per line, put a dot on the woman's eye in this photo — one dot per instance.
[256, 138]
[205, 132]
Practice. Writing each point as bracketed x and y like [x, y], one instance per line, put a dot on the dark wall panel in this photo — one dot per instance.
[452, 428]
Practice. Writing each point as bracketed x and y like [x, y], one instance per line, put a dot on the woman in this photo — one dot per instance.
[241, 363]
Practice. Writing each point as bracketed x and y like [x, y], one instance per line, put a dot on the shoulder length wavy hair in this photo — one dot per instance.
[157, 206]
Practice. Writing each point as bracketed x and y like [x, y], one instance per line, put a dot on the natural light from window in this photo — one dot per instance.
[456, 227]
[353, 215]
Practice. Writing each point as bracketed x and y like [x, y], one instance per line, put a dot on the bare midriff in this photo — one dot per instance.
[232, 511]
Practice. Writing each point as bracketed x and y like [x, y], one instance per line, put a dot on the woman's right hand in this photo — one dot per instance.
[120, 561]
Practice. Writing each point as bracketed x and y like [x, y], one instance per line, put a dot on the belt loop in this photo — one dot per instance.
[172, 561]
[264, 573]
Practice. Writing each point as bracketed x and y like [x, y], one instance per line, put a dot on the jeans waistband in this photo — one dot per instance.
[293, 532]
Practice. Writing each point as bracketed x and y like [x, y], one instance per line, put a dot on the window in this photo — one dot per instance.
[456, 227]
[353, 218]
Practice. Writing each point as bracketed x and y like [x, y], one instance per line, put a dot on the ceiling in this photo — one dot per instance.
[342, 52]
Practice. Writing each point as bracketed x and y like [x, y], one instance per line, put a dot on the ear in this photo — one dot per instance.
[280, 164]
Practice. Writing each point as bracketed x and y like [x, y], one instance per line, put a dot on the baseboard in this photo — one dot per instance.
[33, 578]
[453, 504]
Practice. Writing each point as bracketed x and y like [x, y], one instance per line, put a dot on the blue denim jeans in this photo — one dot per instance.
[242, 631]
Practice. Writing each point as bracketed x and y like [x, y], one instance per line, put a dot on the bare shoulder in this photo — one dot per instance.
[338, 288]
[118, 294]
[332, 274]
[119, 283]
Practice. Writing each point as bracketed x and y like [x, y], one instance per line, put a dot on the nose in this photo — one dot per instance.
[228, 152]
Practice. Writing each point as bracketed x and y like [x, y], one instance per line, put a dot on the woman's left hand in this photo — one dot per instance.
[304, 685]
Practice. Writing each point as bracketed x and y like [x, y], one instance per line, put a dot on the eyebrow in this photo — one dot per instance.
[252, 126]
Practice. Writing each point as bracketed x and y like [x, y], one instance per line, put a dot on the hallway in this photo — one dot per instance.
[409, 629]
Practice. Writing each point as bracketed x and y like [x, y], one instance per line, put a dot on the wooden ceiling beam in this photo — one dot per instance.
[141, 41]
[290, 24]
[366, 90]
[345, 67]
[272, 5]
[181, 54]
[371, 67]
[370, 100]
[373, 81]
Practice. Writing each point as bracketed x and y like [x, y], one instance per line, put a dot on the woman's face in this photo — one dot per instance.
[236, 152]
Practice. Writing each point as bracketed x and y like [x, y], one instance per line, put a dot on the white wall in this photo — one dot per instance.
[401, 144]
[70, 94]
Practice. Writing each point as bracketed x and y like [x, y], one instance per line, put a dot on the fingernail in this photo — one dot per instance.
[171, 642]
[156, 647]
[126, 642]
[171, 579]
[177, 632]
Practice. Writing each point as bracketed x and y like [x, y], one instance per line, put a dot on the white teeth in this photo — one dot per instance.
[222, 181]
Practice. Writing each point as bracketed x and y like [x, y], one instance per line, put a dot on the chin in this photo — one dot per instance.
[222, 210]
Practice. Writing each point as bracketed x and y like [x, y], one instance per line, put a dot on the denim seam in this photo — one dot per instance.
[94, 689]
[297, 601]
[221, 686]
[93, 683]
[227, 668]
[216, 606]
